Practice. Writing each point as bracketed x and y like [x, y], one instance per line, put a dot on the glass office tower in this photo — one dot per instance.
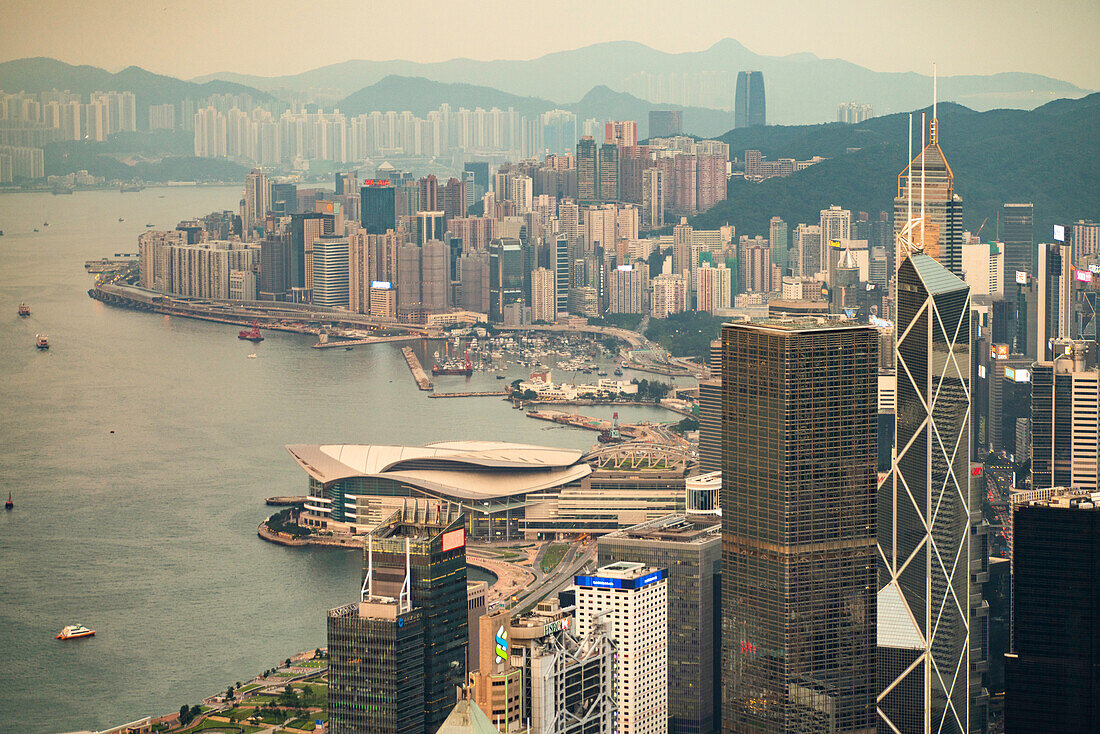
[376, 669]
[436, 546]
[690, 547]
[924, 515]
[799, 440]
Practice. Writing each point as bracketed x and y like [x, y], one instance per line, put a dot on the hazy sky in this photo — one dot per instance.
[1058, 38]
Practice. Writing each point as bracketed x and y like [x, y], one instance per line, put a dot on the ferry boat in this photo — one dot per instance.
[41, 341]
[253, 334]
[24, 311]
[75, 631]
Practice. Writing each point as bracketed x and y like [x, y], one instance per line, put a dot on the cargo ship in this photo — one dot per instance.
[253, 334]
[74, 632]
[41, 341]
[454, 368]
[24, 311]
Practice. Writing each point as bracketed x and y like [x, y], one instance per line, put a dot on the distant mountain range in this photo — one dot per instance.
[1047, 156]
[801, 88]
[419, 96]
[42, 74]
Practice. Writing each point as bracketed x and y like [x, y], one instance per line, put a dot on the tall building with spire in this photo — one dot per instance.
[927, 185]
[930, 628]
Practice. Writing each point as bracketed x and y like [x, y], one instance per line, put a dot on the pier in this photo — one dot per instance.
[368, 340]
[418, 373]
[489, 393]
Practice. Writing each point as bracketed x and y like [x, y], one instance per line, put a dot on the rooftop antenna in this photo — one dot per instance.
[935, 99]
[909, 181]
[368, 582]
[922, 161]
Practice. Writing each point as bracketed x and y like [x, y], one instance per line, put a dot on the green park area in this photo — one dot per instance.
[552, 557]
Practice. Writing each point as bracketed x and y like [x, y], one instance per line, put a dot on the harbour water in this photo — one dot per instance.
[139, 449]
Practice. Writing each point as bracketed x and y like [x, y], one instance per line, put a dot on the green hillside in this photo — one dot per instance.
[1047, 156]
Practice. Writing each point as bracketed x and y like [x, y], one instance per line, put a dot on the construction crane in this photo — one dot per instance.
[979, 232]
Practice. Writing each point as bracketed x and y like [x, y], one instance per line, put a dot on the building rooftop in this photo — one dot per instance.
[1059, 497]
[695, 529]
[796, 324]
[466, 470]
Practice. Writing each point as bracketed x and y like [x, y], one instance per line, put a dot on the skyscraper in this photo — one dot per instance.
[376, 664]
[1065, 423]
[691, 548]
[1017, 234]
[749, 108]
[608, 166]
[929, 182]
[378, 208]
[543, 302]
[588, 186]
[926, 509]
[1052, 675]
[257, 200]
[424, 551]
[779, 240]
[632, 600]
[330, 271]
[799, 440]
[665, 123]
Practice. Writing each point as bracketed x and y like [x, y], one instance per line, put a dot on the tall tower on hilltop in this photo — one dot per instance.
[749, 107]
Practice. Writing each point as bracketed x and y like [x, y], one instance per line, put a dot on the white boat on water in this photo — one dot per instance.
[74, 631]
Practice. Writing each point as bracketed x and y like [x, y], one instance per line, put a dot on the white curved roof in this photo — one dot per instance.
[462, 469]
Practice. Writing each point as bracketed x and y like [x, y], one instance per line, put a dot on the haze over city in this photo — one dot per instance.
[189, 39]
[559, 368]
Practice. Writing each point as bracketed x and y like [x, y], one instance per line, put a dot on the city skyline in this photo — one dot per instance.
[1011, 40]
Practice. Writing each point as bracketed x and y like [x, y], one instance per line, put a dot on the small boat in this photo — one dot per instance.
[75, 631]
[500, 377]
[618, 371]
[41, 341]
[45, 224]
[36, 229]
[150, 225]
[24, 311]
[252, 356]
[347, 349]
[9, 504]
[253, 334]
[121, 219]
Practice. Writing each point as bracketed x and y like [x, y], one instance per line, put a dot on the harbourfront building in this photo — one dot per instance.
[799, 462]
[507, 490]
[631, 599]
[691, 548]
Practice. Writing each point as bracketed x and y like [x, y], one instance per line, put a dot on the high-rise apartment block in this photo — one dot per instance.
[670, 295]
[627, 287]
[691, 548]
[543, 295]
[799, 438]
[631, 599]
[624, 133]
